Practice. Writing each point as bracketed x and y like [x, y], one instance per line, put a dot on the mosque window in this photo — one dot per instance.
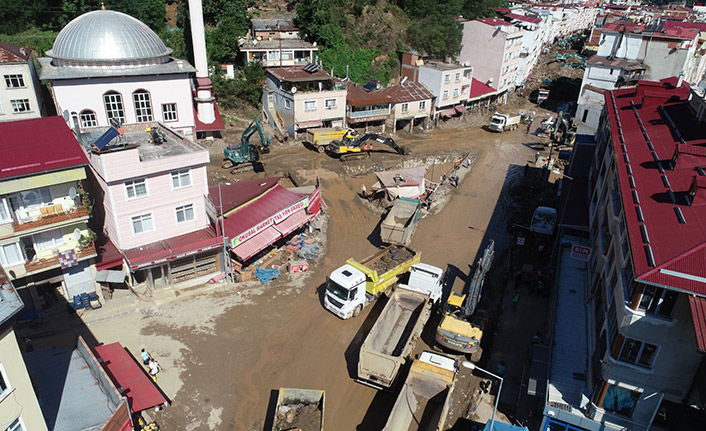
[114, 106]
[169, 112]
[143, 106]
[88, 118]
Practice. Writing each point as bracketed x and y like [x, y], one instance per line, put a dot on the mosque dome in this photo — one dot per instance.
[107, 38]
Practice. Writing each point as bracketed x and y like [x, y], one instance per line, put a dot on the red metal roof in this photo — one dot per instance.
[108, 255]
[697, 304]
[38, 146]
[493, 21]
[700, 26]
[407, 92]
[677, 249]
[236, 194]
[523, 18]
[126, 373]
[10, 53]
[173, 248]
[217, 124]
[479, 89]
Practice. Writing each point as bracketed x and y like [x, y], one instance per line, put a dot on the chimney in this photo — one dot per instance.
[204, 98]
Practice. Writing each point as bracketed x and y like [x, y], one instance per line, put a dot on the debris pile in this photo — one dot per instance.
[391, 259]
[301, 417]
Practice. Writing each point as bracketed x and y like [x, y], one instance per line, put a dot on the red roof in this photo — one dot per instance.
[108, 255]
[217, 124]
[173, 248]
[674, 32]
[236, 194]
[700, 26]
[698, 316]
[407, 92]
[298, 74]
[479, 89]
[493, 21]
[671, 253]
[10, 53]
[270, 203]
[37, 146]
[126, 373]
[523, 18]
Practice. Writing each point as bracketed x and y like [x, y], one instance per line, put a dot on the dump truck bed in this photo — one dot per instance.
[383, 268]
[393, 336]
[401, 222]
[301, 409]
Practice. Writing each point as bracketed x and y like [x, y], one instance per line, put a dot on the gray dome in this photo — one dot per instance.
[106, 36]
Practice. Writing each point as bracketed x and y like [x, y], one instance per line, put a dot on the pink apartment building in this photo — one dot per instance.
[151, 190]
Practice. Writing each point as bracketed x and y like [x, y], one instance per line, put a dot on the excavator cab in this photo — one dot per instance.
[454, 305]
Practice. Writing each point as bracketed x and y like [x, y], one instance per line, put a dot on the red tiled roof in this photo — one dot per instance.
[37, 146]
[676, 248]
[697, 305]
[217, 124]
[236, 194]
[479, 89]
[298, 74]
[493, 21]
[10, 53]
[407, 92]
[523, 18]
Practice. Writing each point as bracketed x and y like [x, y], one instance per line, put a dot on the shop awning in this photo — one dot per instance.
[293, 222]
[450, 112]
[308, 124]
[126, 373]
[110, 276]
[173, 248]
[108, 255]
[460, 108]
[256, 243]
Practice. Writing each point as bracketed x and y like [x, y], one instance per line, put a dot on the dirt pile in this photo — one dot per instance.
[391, 259]
[299, 417]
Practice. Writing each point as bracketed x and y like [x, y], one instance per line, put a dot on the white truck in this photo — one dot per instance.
[425, 398]
[502, 122]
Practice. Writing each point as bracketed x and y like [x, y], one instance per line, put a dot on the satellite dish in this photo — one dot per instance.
[77, 234]
[294, 90]
[66, 115]
[72, 192]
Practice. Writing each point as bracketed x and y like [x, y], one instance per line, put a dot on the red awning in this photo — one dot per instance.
[256, 243]
[307, 124]
[460, 108]
[698, 316]
[450, 112]
[108, 255]
[126, 373]
[293, 222]
[173, 248]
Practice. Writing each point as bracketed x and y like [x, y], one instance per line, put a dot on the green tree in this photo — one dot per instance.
[245, 88]
[436, 36]
[473, 9]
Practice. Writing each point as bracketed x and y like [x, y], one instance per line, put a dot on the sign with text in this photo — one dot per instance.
[275, 219]
[580, 252]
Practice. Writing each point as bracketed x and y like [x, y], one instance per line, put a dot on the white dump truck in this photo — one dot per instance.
[425, 398]
[401, 222]
[502, 122]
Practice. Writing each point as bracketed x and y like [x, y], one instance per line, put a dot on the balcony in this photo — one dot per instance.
[51, 262]
[49, 215]
[368, 113]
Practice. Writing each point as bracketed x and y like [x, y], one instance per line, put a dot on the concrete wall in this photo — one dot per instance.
[21, 402]
[75, 95]
[320, 113]
[412, 109]
[664, 62]
[29, 91]
[483, 48]
[435, 80]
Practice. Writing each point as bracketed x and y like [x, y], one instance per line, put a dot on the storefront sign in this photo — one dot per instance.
[277, 218]
[580, 252]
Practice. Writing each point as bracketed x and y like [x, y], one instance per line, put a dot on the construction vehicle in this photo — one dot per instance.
[502, 122]
[392, 338]
[320, 137]
[542, 94]
[356, 284]
[461, 327]
[357, 147]
[563, 133]
[543, 221]
[401, 221]
[299, 409]
[426, 396]
[244, 156]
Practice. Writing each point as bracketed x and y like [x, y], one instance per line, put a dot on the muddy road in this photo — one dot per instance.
[281, 336]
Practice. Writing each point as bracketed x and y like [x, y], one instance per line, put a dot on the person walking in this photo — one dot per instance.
[145, 357]
[529, 127]
[154, 369]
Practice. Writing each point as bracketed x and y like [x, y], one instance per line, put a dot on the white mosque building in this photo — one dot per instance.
[106, 65]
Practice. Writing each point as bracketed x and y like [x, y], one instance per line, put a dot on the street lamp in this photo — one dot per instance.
[472, 366]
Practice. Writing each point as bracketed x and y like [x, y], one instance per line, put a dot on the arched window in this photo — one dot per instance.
[114, 106]
[88, 118]
[143, 106]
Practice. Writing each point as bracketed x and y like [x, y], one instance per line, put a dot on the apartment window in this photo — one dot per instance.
[48, 239]
[445, 95]
[185, 213]
[287, 104]
[143, 106]
[447, 78]
[330, 104]
[113, 102]
[655, 300]
[14, 81]
[585, 115]
[309, 105]
[11, 254]
[36, 197]
[142, 223]
[422, 105]
[169, 112]
[136, 188]
[287, 55]
[405, 107]
[16, 425]
[181, 179]
[620, 400]
[273, 55]
[637, 353]
[5, 214]
[20, 105]
[458, 76]
[88, 119]
[467, 74]
[455, 93]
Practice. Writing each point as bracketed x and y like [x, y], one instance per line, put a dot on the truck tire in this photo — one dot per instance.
[320, 149]
[357, 311]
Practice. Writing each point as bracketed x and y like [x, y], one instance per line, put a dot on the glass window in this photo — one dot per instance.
[48, 239]
[20, 105]
[36, 197]
[637, 353]
[422, 105]
[458, 76]
[169, 112]
[11, 254]
[88, 119]
[287, 55]
[5, 214]
[655, 300]
[136, 188]
[14, 81]
[445, 95]
[330, 104]
[143, 106]
[467, 74]
[287, 104]
[447, 78]
[309, 105]
[185, 213]
[405, 107]
[114, 106]
[16, 425]
[142, 223]
[181, 178]
[455, 93]
[620, 400]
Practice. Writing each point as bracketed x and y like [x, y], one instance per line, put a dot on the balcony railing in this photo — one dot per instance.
[50, 215]
[368, 113]
[46, 263]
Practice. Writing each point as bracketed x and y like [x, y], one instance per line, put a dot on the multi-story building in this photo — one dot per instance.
[19, 409]
[533, 40]
[296, 98]
[449, 83]
[492, 47]
[20, 93]
[151, 191]
[45, 240]
[629, 334]
[630, 52]
[275, 43]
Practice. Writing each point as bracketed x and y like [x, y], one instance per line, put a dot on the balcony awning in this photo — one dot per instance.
[256, 243]
[173, 248]
[294, 222]
[447, 113]
[697, 304]
[308, 124]
[460, 108]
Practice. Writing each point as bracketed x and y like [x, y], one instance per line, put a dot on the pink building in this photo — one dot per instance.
[151, 191]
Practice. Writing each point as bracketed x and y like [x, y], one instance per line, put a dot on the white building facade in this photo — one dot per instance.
[20, 92]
